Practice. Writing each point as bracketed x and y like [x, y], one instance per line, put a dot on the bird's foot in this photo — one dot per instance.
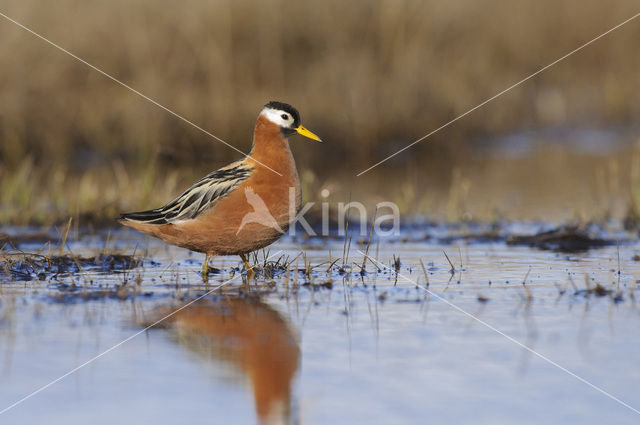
[250, 271]
[205, 270]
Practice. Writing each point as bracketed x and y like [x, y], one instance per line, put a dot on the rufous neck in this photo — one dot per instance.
[270, 146]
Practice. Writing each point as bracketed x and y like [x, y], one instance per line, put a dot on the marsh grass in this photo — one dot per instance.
[364, 72]
[77, 278]
[370, 77]
[72, 144]
[270, 269]
[44, 196]
[551, 183]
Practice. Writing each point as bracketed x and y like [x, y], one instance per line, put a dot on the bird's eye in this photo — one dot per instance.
[284, 116]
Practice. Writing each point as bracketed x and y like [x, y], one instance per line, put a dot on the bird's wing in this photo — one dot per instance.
[198, 198]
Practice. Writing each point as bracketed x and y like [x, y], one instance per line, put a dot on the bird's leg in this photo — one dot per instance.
[205, 268]
[247, 266]
[246, 263]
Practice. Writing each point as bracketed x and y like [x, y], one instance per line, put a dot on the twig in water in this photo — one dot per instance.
[346, 259]
[524, 281]
[366, 252]
[64, 239]
[332, 264]
[106, 244]
[396, 267]
[424, 270]
[344, 247]
[453, 269]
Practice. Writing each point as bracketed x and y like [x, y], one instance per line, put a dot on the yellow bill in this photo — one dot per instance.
[307, 133]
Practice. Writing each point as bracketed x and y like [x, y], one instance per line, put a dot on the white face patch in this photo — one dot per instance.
[278, 116]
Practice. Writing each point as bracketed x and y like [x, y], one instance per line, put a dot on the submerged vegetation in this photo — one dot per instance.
[564, 239]
[24, 266]
[119, 276]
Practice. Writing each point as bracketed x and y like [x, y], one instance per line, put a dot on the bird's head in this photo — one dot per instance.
[287, 118]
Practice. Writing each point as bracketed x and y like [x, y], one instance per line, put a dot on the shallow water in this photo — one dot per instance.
[334, 348]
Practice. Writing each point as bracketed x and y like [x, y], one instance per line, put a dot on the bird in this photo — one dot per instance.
[260, 214]
[242, 207]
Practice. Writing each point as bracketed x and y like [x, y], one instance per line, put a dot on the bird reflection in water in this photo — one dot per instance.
[253, 337]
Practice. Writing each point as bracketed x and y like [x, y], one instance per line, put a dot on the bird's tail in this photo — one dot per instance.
[147, 217]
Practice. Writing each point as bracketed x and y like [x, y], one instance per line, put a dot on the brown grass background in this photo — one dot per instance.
[368, 76]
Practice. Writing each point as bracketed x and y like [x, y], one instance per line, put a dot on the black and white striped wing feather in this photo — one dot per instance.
[198, 198]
